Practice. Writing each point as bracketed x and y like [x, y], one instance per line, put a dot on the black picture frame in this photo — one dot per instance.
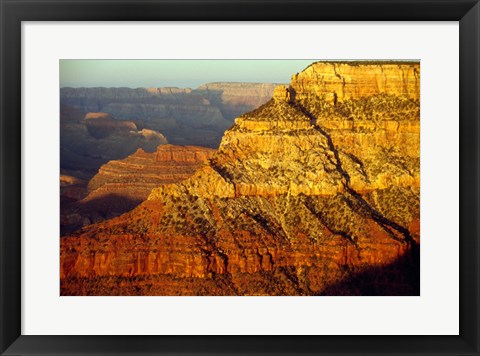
[13, 12]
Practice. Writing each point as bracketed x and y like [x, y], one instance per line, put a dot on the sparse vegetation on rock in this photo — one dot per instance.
[316, 192]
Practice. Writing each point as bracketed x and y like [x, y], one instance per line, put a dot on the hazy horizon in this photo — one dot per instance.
[179, 73]
[171, 86]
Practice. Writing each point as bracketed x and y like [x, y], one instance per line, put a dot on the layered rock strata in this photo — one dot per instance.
[316, 192]
[168, 164]
[120, 185]
[186, 116]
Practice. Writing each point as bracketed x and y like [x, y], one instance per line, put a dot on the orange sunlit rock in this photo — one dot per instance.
[315, 192]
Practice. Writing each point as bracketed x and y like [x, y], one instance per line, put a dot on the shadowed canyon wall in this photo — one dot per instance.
[88, 140]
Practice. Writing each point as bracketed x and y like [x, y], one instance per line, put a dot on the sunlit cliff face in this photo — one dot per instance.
[314, 192]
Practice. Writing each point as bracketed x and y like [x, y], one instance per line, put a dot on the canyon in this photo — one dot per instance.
[106, 126]
[185, 116]
[88, 140]
[120, 185]
[315, 192]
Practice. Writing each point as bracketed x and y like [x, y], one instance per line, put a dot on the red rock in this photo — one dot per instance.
[296, 201]
[120, 185]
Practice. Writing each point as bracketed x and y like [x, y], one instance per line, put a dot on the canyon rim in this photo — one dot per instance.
[306, 187]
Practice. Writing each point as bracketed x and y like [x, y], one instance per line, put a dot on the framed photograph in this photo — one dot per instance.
[239, 177]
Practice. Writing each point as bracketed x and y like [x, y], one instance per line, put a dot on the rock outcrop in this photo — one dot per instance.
[89, 140]
[315, 192]
[169, 164]
[120, 185]
[354, 80]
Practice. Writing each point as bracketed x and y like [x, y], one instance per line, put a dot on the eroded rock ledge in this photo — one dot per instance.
[120, 185]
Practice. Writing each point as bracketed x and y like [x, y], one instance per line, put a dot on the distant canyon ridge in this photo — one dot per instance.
[151, 116]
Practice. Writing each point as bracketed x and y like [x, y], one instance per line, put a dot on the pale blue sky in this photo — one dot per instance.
[177, 73]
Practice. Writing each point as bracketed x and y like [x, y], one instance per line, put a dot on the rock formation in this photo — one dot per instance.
[89, 140]
[186, 116]
[315, 192]
[102, 125]
[235, 99]
[120, 185]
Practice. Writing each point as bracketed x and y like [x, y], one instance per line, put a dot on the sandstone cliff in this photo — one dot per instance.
[120, 185]
[315, 192]
[355, 80]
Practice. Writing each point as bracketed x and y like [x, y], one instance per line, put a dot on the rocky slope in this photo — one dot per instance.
[120, 185]
[315, 192]
[185, 116]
